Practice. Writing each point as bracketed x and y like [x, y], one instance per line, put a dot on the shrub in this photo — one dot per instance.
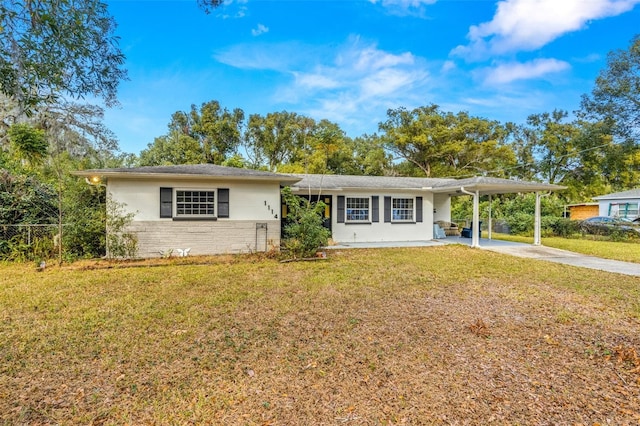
[520, 223]
[304, 233]
[560, 227]
[120, 242]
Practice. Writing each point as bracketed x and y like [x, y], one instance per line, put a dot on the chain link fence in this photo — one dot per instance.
[29, 242]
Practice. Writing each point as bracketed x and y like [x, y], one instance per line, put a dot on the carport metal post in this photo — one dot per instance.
[490, 224]
[536, 222]
[475, 228]
[475, 222]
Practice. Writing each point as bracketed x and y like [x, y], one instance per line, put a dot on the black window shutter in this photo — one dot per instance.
[223, 202]
[387, 209]
[166, 202]
[418, 209]
[375, 208]
[340, 218]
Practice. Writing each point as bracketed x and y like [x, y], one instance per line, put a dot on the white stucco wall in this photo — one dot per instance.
[247, 200]
[381, 231]
[442, 206]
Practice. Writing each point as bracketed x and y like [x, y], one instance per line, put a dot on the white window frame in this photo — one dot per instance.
[367, 209]
[206, 214]
[410, 212]
[626, 210]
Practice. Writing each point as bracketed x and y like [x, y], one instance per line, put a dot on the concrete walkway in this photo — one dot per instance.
[517, 249]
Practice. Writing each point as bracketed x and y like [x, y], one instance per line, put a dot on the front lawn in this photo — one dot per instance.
[435, 335]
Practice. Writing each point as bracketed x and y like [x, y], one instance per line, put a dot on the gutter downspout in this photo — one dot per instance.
[475, 222]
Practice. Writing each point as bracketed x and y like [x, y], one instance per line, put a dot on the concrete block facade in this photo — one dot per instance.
[158, 238]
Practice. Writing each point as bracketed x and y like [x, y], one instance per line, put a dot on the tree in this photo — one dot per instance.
[218, 130]
[26, 200]
[369, 156]
[477, 147]
[277, 139]
[28, 143]
[416, 135]
[446, 144]
[553, 144]
[616, 95]
[209, 5]
[174, 148]
[327, 151]
[51, 49]
[210, 134]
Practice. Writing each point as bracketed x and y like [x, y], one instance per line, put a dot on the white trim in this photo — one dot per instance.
[346, 209]
[413, 210]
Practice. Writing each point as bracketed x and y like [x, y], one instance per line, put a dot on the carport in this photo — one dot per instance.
[481, 185]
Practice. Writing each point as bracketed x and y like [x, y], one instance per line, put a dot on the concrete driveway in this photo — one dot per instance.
[518, 249]
[553, 255]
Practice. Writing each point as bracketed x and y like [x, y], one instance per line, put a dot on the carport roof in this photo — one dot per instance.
[490, 185]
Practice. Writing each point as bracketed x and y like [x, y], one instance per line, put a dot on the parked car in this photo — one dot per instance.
[605, 225]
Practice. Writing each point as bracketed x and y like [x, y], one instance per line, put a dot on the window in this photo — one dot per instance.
[195, 203]
[402, 209]
[357, 209]
[187, 204]
[628, 210]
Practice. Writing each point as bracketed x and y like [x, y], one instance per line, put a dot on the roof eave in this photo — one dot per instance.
[283, 180]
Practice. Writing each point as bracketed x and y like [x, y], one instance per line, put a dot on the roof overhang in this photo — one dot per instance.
[106, 174]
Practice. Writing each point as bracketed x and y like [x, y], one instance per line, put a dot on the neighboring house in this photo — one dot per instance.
[214, 209]
[582, 211]
[620, 204]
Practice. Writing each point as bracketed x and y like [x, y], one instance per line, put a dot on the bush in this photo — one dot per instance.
[520, 223]
[560, 227]
[120, 242]
[304, 233]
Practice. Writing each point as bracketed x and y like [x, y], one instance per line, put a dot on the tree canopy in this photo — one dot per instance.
[51, 49]
[442, 143]
[616, 95]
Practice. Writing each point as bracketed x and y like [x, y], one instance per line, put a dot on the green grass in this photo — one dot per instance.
[386, 336]
[624, 251]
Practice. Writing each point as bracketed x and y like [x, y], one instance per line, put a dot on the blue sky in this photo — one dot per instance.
[350, 60]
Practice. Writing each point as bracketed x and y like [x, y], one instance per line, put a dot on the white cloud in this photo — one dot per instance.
[448, 66]
[232, 9]
[370, 58]
[404, 7]
[259, 30]
[530, 24]
[281, 57]
[315, 81]
[342, 84]
[592, 57]
[509, 72]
